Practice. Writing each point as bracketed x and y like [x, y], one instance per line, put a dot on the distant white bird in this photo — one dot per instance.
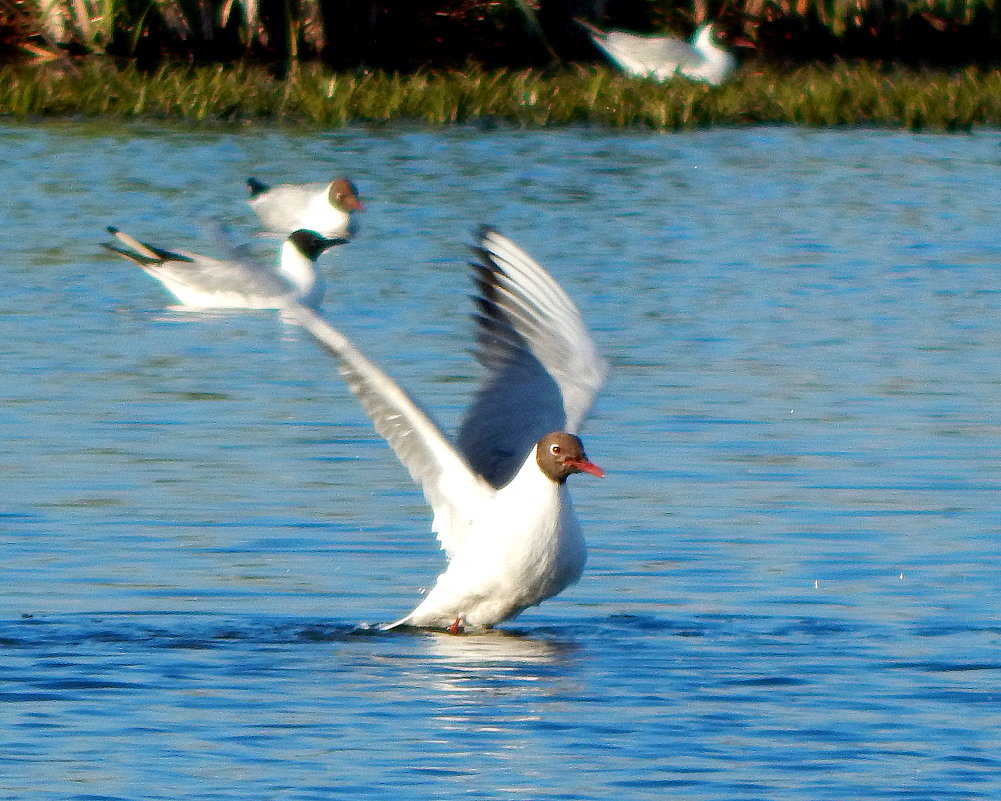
[663, 57]
[236, 283]
[327, 209]
[502, 512]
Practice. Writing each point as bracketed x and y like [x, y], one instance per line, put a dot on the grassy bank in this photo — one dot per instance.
[820, 96]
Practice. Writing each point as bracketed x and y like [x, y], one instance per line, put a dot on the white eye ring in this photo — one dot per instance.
[555, 449]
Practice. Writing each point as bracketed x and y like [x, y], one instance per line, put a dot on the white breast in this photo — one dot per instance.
[524, 547]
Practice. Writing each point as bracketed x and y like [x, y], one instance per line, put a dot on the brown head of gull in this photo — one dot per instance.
[329, 209]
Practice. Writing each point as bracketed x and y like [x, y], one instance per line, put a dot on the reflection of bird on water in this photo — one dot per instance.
[496, 649]
[663, 57]
[495, 662]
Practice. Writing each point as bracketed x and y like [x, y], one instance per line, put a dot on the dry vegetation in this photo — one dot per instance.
[405, 35]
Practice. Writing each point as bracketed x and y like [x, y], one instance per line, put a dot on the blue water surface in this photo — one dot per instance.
[793, 587]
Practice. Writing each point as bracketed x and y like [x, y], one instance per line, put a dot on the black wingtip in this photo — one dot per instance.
[128, 254]
[112, 230]
[483, 231]
[256, 187]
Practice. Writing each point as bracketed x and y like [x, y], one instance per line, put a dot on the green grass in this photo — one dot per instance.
[815, 96]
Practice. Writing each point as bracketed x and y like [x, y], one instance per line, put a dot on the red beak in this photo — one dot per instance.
[584, 466]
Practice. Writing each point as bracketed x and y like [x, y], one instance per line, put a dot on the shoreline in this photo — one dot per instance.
[839, 95]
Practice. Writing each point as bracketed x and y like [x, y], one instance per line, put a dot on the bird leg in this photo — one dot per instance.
[456, 627]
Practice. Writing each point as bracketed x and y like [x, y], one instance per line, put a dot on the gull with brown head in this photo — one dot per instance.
[502, 512]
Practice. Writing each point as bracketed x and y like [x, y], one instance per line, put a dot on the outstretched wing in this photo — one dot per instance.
[220, 232]
[449, 485]
[543, 370]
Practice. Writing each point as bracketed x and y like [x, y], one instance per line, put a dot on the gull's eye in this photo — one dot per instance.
[555, 449]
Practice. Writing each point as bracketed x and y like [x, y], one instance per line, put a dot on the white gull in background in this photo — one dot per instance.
[238, 282]
[502, 512]
[327, 209]
[663, 57]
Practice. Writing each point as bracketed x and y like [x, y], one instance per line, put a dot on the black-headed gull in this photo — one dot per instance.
[239, 282]
[502, 512]
[327, 209]
[663, 57]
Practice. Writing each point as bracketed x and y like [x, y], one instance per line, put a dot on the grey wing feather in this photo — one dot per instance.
[645, 55]
[543, 371]
[222, 233]
[654, 50]
[206, 274]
